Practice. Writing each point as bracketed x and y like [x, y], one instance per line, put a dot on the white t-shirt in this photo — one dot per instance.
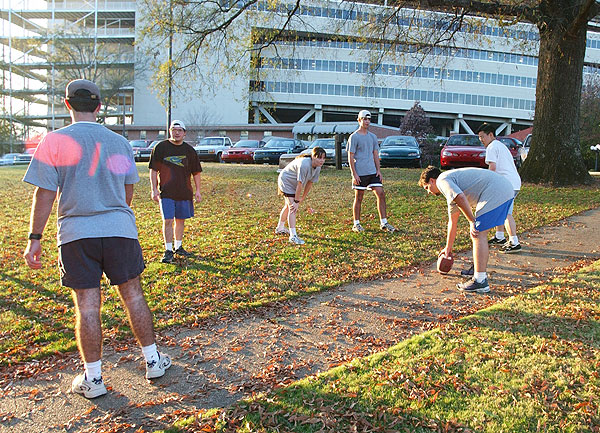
[505, 165]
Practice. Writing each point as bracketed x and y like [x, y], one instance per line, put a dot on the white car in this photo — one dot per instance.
[9, 159]
[524, 150]
[211, 148]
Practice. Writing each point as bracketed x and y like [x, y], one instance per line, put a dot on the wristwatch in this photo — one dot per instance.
[35, 236]
[296, 201]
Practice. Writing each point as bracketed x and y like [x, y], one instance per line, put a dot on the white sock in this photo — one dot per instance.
[169, 246]
[292, 232]
[480, 276]
[281, 225]
[514, 240]
[93, 370]
[177, 244]
[499, 235]
[356, 222]
[150, 353]
[383, 221]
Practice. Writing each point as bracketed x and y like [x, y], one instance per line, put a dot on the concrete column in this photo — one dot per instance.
[318, 113]
[456, 127]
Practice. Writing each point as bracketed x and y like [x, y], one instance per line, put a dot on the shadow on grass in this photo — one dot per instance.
[316, 411]
[9, 303]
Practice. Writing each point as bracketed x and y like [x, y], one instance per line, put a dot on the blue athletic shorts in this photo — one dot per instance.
[510, 209]
[82, 262]
[179, 209]
[493, 218]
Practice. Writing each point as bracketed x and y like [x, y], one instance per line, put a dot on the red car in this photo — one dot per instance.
[463, 150]
[242, 151]
[513, 145]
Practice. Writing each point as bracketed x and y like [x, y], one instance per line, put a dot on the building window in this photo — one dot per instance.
[142, 134]
[243, 135]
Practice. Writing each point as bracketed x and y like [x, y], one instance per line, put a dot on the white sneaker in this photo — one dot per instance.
[283, 231]
[387, 227]
[88, 388]
[156, 369]
[296, 240]
[358, 228]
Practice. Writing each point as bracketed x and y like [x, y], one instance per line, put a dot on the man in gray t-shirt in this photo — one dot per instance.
[489, 193]
[92, 171]
[363, 157]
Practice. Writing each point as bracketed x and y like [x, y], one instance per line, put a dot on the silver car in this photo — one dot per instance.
[326, 143]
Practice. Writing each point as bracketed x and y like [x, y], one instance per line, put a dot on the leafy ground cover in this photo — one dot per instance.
[240, 262]
[527, 364]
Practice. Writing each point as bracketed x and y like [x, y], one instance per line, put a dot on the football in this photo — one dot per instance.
[444, 263]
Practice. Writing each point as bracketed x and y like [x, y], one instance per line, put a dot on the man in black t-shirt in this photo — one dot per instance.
[172, 164]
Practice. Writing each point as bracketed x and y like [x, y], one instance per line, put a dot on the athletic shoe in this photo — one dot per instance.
[296, 240]
[183, 253]
[156, 369]
[387, 227]
[473, 286]
[88, 388]
[358, 228]
[510, 248]
[283, 231]
[468, 272]
[496, 241]
[168, 257]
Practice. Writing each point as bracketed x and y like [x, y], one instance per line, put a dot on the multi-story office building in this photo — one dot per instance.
[325, 73]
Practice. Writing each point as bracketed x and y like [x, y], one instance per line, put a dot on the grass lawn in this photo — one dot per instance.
[240, 262]
[528, 364]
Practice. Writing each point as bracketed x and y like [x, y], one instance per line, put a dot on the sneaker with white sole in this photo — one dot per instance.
[88, 388]
[283, 231]
[387, 227]
[296, 240]
[474, 286]
[496, 241]
[156, 369]
[510, 248]
[357, 228]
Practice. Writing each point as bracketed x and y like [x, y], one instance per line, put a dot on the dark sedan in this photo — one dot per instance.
[276, 147]
[400, 150]
[463, 150]
[242, 151]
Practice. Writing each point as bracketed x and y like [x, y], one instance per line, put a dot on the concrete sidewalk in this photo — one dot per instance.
[232, 356]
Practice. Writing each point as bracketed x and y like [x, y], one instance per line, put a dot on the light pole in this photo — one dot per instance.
[169, 100]
[123, 94]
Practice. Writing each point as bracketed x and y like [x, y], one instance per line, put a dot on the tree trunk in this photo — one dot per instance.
[555, 155]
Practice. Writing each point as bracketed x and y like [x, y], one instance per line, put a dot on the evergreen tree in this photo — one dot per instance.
[416, 123]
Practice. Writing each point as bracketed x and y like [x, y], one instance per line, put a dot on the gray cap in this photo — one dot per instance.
[81, 84]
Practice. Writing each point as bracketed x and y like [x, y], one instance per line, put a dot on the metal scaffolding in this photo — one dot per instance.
[46, 43]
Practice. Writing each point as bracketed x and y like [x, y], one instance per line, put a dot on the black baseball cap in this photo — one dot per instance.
[91, 90]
